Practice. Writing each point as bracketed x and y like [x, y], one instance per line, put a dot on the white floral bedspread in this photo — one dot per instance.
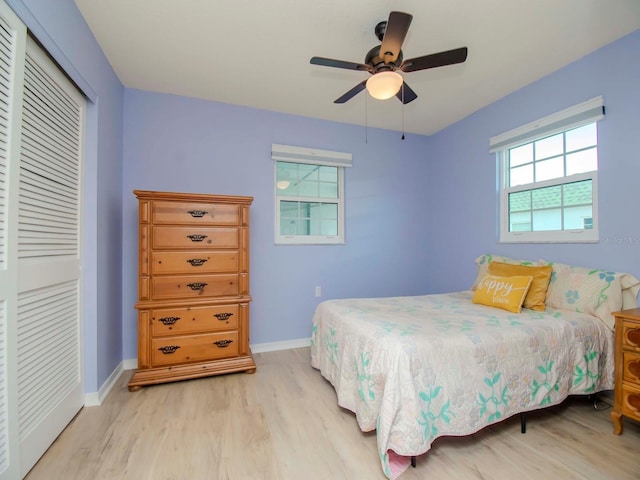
[417, 368]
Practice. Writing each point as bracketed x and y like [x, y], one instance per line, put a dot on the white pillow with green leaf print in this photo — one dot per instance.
[587, 290]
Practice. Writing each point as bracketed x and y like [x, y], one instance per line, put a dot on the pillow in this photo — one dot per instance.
[592, 291]
[538, 289]
[507, 293]
[483, 262]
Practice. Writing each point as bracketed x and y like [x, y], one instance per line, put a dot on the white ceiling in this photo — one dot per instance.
[256, 53]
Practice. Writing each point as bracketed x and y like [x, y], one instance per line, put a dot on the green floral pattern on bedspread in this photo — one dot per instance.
[416, 368]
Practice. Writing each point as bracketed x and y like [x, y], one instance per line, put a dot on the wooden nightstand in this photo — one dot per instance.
[627, 386]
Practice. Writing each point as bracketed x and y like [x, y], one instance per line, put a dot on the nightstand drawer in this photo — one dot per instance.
[195, 213]
[180, 321]
[193, 348]
[631, 368]
[630, 401]
[627, 367]
[631, 336]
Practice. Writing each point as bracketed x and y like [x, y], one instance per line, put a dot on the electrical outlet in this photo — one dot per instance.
[318, 292]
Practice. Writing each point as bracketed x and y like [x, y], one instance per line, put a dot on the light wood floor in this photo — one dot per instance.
[283, 423]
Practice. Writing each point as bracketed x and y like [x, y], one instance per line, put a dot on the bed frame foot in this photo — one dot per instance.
[523, 423]
[593, 397]
[413, 461]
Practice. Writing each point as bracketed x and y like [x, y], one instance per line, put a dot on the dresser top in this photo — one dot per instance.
[192, 197]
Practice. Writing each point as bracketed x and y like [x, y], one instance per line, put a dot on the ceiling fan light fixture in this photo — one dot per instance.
[384, 85]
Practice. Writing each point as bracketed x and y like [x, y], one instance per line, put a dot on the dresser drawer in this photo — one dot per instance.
[193, 348]
[194, 237]
[631, 401]
[181, 321]
[194, 286]
[195, 213]
[193, 262]
[631, 367]
[631, 336]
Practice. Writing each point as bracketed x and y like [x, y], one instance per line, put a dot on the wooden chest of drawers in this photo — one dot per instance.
[627, 384]
[193, 287]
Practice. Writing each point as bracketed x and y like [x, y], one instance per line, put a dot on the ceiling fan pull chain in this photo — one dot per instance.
[366, 124]
[402, 101]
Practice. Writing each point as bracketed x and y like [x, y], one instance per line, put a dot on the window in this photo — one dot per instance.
[309, 195]
[548, 177]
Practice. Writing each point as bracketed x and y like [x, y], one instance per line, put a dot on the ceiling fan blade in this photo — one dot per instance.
[450, 57]
[329, 62]
[406, 94]
[396, 31]
[351, 93]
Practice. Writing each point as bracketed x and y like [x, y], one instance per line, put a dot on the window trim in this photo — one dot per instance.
[579, 115]
[302, 155]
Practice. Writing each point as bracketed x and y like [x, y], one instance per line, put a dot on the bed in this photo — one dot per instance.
[420, 367]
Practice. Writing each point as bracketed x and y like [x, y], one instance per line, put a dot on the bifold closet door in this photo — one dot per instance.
[12, 52]
[43, 371]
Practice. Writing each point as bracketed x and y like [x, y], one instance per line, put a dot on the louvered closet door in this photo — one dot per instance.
[48, 305]
[12, 48]
[41, 124]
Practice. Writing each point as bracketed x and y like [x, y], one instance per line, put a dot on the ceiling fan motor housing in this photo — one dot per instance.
[374, 59]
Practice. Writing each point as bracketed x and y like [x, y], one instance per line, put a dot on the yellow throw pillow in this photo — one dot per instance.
[483, 262]
[537, 291]
[507, 293]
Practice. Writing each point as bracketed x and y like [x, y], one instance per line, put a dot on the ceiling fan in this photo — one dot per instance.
[383, 60]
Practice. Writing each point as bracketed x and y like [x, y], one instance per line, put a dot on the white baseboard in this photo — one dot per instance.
[93, 399]
[130, 364]
[284, 345]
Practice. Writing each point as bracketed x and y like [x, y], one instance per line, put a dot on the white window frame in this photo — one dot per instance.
[302, 155]
[579, 115]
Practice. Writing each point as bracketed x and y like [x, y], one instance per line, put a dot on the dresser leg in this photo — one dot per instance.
[252, 370]
[616, 418]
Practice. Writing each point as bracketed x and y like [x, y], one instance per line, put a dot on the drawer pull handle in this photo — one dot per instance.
[222, 343]
[633, 337]
[196, 238]
[169, 320]
[223, 316]
[196, 285]
[197, 213]
[169, 349]
[196, 262]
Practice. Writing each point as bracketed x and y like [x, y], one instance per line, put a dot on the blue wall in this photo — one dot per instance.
[462, 174]
[419, 211]
[180, 144]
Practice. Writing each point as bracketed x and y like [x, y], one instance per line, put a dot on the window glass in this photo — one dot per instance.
[521, 175]
[548, 169]
[583, 161]
[309, 205]
[582, 137]
[549, 187]
[521, 155]
[549, 147]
